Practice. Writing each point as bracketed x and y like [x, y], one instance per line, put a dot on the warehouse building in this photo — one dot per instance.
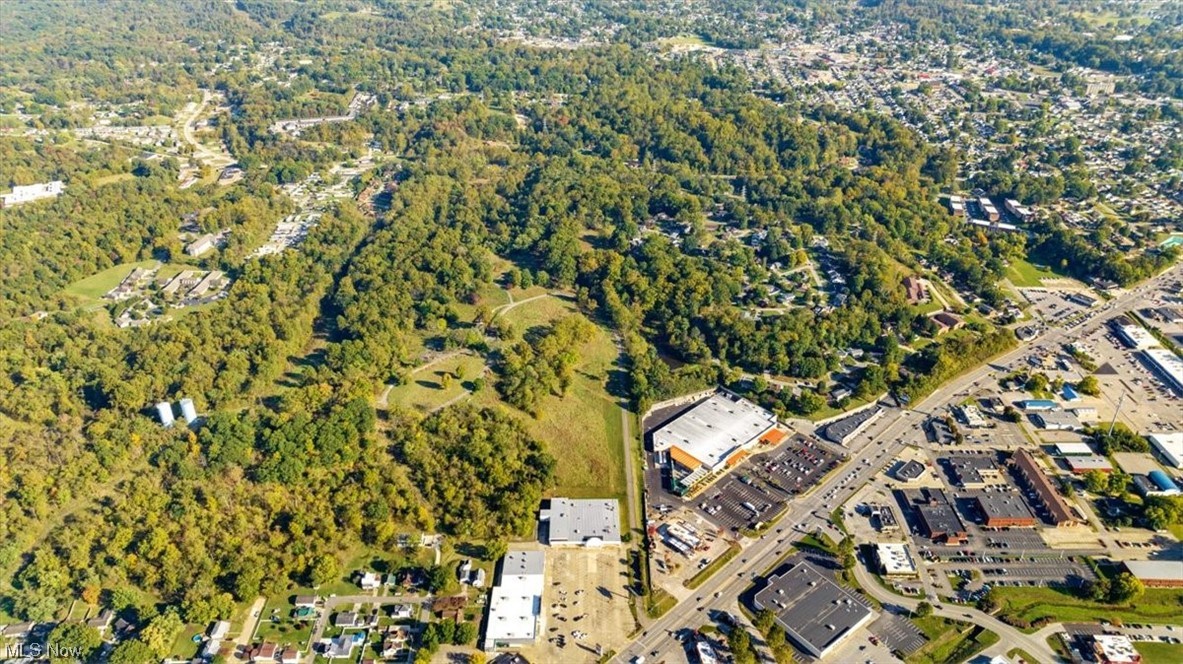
[816, 613]
[971, 416]
[1157, 573]
[1135, 336]
[1036, 405]
[884, 518]
[939, 520]
[711, 437]
[1056, 420]
[1114, 649]
[844, 430]
[580, 522]
[1169, 445]
[1155, 483]
[1004, 510]
[1168, 366]
[1073, 449]
[515, 605]
[910, 471]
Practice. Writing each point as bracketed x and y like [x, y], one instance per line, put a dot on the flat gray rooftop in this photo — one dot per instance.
[579, 520]
[1003, 505]
[522, 563]
[811, 607]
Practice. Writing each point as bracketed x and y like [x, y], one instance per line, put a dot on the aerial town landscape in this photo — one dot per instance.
[704, 331]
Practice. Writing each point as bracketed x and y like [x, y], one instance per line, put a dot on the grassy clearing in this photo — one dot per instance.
[1024, 274]
[1159, 653]
[1157, 605]
[583, 428]
[714, 566]
[535, 313]
[950, 641]
[114, 177]
[95, 286]
[683, 40]
[425, 390]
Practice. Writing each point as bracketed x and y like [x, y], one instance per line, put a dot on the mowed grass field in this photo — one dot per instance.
[1024, 274]
[93, 288]
[425, 390]
[1157, 605]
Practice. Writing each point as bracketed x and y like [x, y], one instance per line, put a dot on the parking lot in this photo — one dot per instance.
[758, 489]
[585, 604]
[1055, 307]
[737, 503]
[897, 633]
[1014, 540]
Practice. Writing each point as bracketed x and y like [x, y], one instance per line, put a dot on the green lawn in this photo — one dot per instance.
[683, 40]
[1023, 274]
[542, 311]
[95, 286]
[823, 544]
[425, 391]
[714, 566]
[659, 602]
[950, 641]
[1159, 653]
[1021, 656]
[1157, 605]
[283, 630]
[183, 646]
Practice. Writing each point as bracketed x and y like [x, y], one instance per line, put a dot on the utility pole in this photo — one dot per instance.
[1113, 423]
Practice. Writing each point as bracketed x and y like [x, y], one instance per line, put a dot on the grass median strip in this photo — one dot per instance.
[714, 566]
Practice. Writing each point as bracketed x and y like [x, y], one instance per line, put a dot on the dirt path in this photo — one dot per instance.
[512, 303]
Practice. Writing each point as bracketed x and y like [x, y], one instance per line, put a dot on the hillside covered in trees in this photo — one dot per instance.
[661, 196]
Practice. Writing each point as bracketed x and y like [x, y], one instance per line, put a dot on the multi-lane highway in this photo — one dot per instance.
[869, 454]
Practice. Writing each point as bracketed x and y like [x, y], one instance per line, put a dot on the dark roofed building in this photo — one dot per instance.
[942, 433]
[843, 430]
[939, 520]
[910, 471]
[815, 612]
[974, 471]
[1004, 510]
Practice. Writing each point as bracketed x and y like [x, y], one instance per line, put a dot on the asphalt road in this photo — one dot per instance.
[879, 445]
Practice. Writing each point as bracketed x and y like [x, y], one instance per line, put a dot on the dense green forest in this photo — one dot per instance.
[662, 196]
